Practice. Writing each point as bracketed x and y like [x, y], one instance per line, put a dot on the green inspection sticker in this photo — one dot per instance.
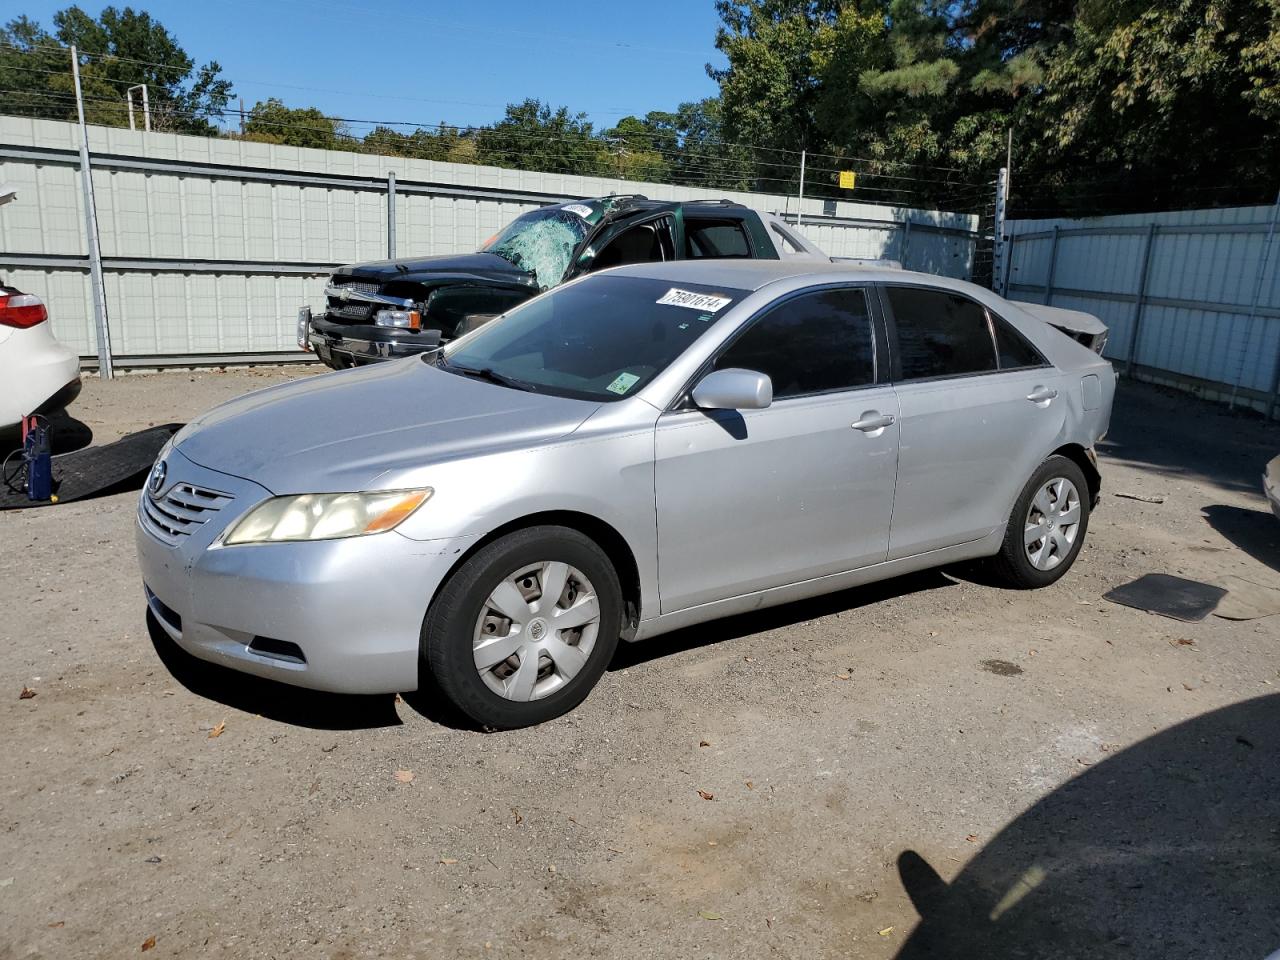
[623, 383]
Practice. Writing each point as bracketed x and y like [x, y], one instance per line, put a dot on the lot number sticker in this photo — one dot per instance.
[675, 297]
[623, 382]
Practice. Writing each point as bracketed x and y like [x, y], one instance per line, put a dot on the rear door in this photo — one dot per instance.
[979, 411]
[804, 488]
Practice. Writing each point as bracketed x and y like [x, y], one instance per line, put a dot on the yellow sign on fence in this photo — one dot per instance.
[847, 179]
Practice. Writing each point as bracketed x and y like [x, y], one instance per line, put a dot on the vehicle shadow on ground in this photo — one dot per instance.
[1175, 434]
[773, 618]
[1256, 532]
[271, 699]
[1169, 849]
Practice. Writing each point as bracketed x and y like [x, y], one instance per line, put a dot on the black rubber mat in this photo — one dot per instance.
[94, 471]
[1187, 600]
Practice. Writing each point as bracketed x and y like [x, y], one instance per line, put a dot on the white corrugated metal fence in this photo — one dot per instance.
[1192, 297]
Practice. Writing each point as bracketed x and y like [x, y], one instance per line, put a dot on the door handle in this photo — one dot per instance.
[873, 420]
[1042, 395]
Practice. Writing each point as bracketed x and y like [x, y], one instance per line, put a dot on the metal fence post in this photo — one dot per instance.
[999, 278]
[391, 216]
[1141, 300]
[1253, 308]
[1053, 266]
[105, 370]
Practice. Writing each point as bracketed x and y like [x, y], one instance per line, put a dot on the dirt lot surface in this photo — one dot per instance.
[1037, 774]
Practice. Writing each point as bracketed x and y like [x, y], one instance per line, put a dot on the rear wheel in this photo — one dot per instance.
[524, 629]
[1047, 527]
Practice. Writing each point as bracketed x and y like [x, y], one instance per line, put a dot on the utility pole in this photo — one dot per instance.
[242, 116]
[91, 231]
[800, 205]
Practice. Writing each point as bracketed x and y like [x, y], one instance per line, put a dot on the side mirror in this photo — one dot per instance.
[733, 389]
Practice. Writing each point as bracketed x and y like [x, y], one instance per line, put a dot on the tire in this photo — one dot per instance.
[495, 603]
[1045, 505]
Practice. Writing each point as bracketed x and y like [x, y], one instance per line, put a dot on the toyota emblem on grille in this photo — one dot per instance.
[158, 473]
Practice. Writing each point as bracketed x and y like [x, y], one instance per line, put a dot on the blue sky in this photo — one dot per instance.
[461, 63]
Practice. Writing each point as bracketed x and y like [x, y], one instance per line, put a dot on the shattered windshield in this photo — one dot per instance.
[542, 241]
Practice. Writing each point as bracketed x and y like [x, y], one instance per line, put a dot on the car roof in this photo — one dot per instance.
[630, 204]
[747, 274]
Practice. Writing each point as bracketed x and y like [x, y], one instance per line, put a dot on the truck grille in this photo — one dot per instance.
[181, 510]
[352, 311]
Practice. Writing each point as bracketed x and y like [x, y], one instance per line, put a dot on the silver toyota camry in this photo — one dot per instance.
[640, 450]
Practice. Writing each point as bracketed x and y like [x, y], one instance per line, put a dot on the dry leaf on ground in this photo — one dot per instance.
[704, 743]
[706, 796]
[885, 932]
[404, 776]
[27, 693]
[709, 915]
[148, 943]
[448, 861]
[217, 731]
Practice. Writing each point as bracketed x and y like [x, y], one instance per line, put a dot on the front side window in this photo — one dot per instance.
[815, 343]
[940, 334]
[715, 239]
[643, 243]
[602, 338]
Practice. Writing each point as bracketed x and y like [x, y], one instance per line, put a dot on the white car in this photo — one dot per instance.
[39, 373]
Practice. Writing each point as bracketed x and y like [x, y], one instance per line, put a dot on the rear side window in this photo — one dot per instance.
[940, 334]
[715, 238]
[814, 343]
[1013, 347]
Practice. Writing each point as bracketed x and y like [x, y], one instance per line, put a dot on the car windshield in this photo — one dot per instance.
[542, 241]
[603, 338]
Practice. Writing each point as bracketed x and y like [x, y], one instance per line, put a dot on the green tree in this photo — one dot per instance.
[532, 136]
[120, 48]
[270, 121]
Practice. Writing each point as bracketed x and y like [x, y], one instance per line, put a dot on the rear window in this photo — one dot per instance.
[715, 239]
[603, 338]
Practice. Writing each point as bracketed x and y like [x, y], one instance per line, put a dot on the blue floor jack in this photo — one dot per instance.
[37, 461]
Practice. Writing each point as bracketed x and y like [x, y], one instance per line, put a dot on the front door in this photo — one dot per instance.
[761, 498]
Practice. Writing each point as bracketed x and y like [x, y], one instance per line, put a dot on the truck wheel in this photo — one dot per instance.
[523, 630]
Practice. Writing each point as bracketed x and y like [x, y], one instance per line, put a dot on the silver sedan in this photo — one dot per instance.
[637, 451]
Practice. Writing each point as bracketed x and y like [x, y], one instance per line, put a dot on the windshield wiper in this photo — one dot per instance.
[488, 373]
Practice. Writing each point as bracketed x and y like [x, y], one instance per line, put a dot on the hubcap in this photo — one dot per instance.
[1053, 521]
[536, 631]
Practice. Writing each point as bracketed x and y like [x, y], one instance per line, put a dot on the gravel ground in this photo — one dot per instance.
[1038, 774]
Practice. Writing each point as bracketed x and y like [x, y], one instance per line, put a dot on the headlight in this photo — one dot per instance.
[405, 319]
[326, 516]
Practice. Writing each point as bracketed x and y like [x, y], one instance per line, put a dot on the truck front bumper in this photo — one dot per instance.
[350, 345]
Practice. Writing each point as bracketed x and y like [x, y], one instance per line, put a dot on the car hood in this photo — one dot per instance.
[483, 266]
[357, 429]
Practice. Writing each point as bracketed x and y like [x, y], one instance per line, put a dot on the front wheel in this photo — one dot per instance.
[1047, 527]
[525, 628]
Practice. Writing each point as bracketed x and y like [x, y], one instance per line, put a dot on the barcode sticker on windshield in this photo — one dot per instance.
[580, 209]
[676, 297]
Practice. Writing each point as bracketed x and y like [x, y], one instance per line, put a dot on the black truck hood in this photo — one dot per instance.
[481, 266]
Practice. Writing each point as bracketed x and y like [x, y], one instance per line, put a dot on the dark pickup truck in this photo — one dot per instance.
[394, 308]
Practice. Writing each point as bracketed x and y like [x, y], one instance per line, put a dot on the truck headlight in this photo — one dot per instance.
[326, 516]
[406, 319]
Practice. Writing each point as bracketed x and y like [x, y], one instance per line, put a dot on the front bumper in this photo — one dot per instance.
[337, 615]
[1271, 485]
[345, 345]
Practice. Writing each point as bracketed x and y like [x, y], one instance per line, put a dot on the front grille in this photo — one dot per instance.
[182, 509]
[356, 286]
